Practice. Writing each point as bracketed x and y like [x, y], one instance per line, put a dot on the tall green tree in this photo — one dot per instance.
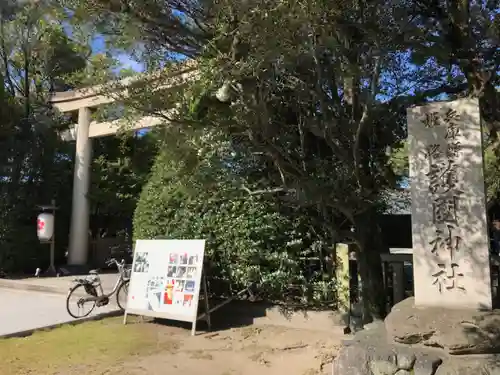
[303, 103]
[317, 91]
[36, 57]
[41, 51]
[195, 192]
[121, 167]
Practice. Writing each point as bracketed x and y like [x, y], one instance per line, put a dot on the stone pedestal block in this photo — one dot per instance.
[424, 341]
[455, 331]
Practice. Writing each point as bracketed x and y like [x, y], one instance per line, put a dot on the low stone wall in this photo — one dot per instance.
[415, 340]
[370, 353]
[258, 313]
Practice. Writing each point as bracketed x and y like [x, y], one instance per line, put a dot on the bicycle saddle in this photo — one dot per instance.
[93, 272]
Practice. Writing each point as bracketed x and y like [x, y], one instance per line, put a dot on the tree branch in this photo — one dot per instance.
[267, 191]
[363, 123]
[4, 54]
[431, 93]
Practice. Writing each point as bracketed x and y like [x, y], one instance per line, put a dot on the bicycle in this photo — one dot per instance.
[89, 290]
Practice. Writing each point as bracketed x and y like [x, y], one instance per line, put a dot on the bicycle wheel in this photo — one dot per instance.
[80, 292]
[122, 295]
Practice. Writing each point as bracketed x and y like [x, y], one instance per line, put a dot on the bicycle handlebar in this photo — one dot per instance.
[112, 261]
[109, 262]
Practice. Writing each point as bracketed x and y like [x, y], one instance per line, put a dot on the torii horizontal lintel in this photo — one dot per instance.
[103, 129]
[91, 97]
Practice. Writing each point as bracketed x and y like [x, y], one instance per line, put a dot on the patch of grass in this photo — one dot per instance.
[90, 347]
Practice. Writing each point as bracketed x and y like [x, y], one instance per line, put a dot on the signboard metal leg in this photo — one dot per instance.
[207, 306]
[205, 315]
[125, 318]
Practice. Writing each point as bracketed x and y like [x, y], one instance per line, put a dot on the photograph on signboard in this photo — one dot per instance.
[179, 285]
[154, 292]
[181, 272]
[191, 273]
[190, 286]
[188, 300]
[173, 258]
[171, 271]
[168, 297]
[141, 263]
[184, 259]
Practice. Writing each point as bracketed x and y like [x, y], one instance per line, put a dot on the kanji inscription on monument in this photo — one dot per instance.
[451, 263]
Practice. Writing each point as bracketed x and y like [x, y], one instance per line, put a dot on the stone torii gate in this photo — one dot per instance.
[83, 101]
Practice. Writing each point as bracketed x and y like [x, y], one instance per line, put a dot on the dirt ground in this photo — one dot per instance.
[107, 347]
[266, 350]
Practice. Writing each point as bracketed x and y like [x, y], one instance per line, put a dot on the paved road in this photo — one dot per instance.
[24, 310]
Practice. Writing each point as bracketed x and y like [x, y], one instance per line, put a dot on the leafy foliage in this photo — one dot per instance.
[121, 166]
[37, 56]
[313, 109]
[35, 165]
[492, 174]
[249, 238]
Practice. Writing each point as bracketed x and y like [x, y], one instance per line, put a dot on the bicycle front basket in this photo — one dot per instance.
[127, 271]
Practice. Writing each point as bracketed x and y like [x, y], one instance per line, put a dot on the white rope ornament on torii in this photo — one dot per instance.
[82, 101]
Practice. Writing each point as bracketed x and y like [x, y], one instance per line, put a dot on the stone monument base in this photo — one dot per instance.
[424, 341]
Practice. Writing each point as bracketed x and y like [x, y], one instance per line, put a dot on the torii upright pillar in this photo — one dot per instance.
[79, 236]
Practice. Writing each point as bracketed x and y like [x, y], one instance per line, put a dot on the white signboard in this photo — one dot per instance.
[166, 278]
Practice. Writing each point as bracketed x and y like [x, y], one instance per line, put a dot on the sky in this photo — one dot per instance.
[98, 45]
[126, 61]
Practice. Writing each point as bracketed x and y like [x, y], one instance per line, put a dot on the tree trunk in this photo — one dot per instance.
[371, 245]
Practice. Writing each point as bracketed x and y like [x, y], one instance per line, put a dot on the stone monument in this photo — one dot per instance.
[451, 262]
[449, 327]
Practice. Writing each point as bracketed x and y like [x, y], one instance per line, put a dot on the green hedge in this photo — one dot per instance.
[249, 238]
